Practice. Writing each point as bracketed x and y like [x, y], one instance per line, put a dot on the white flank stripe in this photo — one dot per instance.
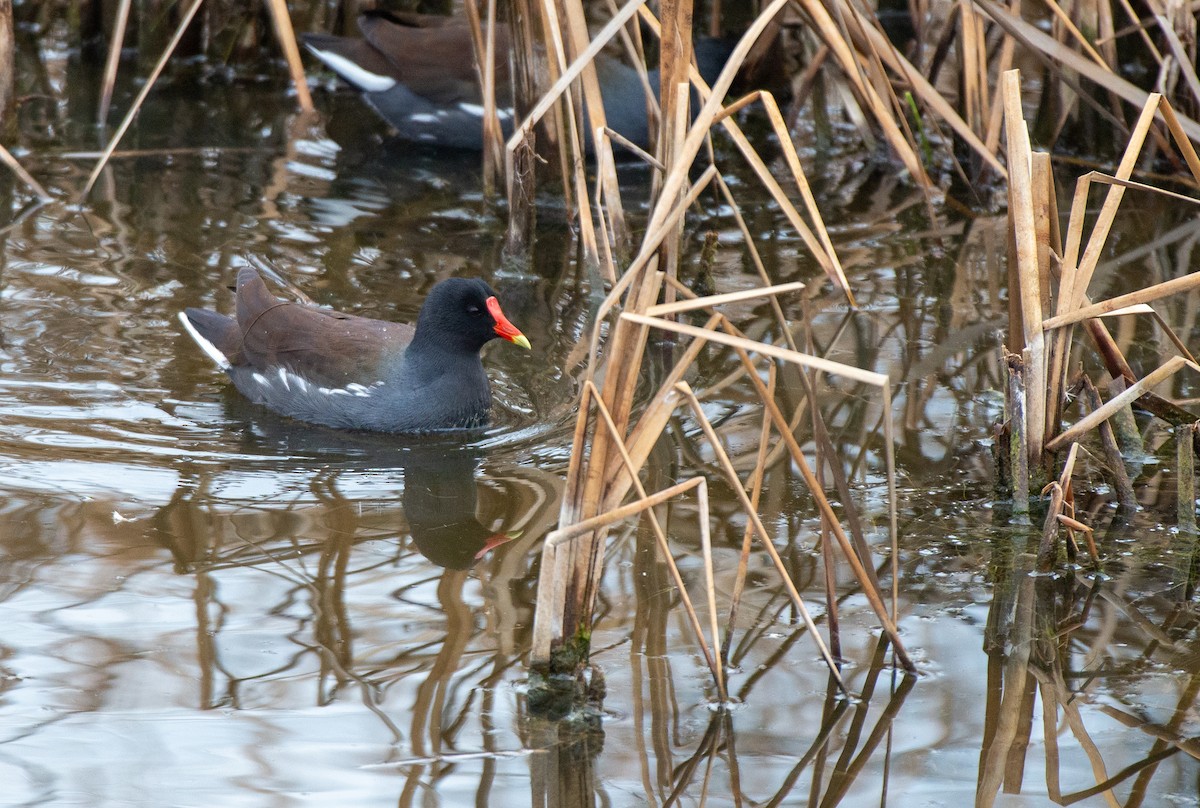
[283, 377]
[261, 379]
[472, 109]
[360, 78]
[206, 346]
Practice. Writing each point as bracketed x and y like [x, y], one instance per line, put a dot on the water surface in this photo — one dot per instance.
[207, 604]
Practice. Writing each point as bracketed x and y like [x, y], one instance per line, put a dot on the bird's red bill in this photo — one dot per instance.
[503, 327]
[492, 543]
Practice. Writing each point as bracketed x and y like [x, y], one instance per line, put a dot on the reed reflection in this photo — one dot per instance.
[303, 542]
[1086, 648]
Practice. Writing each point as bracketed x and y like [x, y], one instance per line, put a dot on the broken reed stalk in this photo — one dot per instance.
[1035, 243]
[820, 433]
[1114, 304]
[1126, 497]
[1063, 61]
[864, 87]
[552, 588]
[520, 174]
[605, 461]
[1018, 455]
[1110, 408]
[545, 621]
[819, 243]
[7, 64]
[572, 147]
[1060, 498]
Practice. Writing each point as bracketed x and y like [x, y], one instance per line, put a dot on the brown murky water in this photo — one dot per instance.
[205, 604]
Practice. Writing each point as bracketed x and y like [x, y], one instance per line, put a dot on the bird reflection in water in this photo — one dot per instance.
[326, 478]
[440, 499]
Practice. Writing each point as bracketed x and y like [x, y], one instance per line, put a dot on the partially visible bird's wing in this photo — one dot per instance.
[325, 347]
[433, 56]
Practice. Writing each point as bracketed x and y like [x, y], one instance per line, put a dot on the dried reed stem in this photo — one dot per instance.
[484, 41]
[1122, 302]
[1185, 475]
[1064, 59]
[576, 32]
[764, 537]
[742, 346]
[872, 594]
[110, 63]
[1151, 380]
[1108, 212]
[831, 34]
[591, 395]
[756, 480]
[1112, 451]
[766, 349]
[286, 34]
[23, 175]
[1185, 61]
[1018, 456]
[188, 16]
[930, 95]
[552, 590]
[711, 301]
[1024, 230]
[582, 60]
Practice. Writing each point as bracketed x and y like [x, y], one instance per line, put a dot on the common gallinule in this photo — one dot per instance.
[325, 367]
[418, 72]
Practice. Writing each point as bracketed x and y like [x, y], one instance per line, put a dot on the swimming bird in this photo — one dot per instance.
[341, 370]
[418, 72]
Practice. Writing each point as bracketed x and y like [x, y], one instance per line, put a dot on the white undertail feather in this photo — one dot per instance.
[360, 78]
[213, 353]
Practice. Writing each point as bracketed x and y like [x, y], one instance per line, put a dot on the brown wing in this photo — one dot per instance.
[328, 348]
[418, 46]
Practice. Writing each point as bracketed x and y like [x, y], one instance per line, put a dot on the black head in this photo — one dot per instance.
[464, 313]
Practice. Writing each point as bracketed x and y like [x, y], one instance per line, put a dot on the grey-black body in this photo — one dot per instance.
[340, 370]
